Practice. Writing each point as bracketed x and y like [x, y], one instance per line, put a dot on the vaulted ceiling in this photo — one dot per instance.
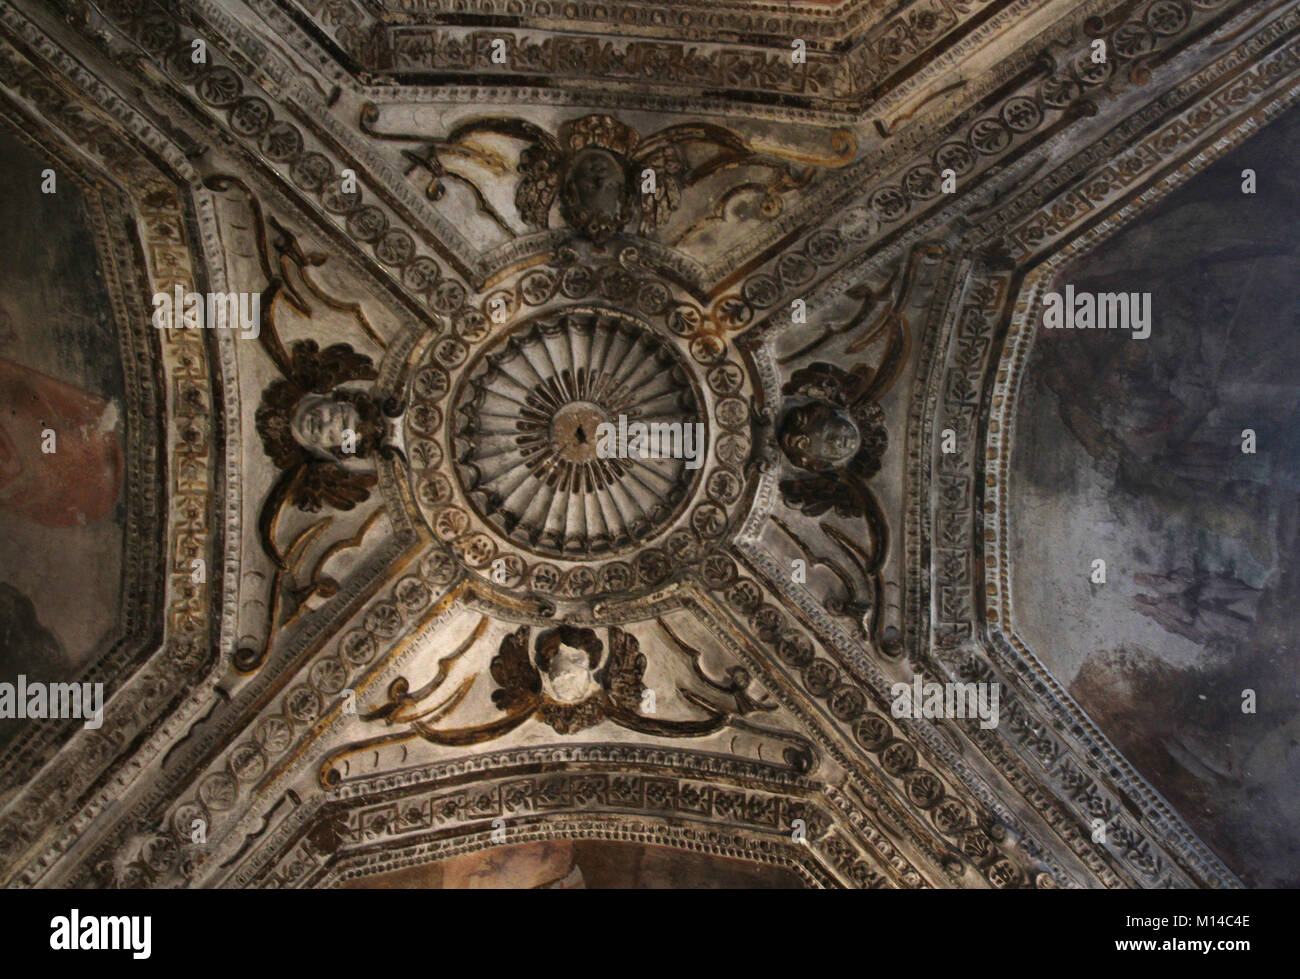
[370, 605]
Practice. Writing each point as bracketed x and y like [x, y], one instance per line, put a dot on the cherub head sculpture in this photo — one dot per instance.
[567, 658]
[597, 196]
[315, 429]
[830, 424]
[338, 426]
[834, 432]
[818, 436]
[593, 167]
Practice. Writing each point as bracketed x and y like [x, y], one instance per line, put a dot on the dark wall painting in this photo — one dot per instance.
[61, 513]
[1130, 451]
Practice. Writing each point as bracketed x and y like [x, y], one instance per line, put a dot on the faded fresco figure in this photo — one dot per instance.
[63, 513]
[79, 482]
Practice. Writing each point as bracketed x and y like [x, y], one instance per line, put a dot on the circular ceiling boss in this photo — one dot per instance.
[579, 453]
[547, 442]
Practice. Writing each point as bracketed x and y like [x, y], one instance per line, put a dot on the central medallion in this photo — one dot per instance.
[583, 455]
[573, 433]
[542, 444]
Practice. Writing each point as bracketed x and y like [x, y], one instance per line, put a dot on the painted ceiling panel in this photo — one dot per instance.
[1199, 536]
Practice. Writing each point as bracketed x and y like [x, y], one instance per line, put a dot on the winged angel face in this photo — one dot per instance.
[312, 427]
[833, 431]
[604, 174]
[589, 167]
[596, 196]
[572, 681]
[817, 437]
[320, 423]
[568, 672]
[561, 684]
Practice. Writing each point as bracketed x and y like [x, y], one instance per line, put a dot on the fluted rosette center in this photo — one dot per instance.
[542, 446]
